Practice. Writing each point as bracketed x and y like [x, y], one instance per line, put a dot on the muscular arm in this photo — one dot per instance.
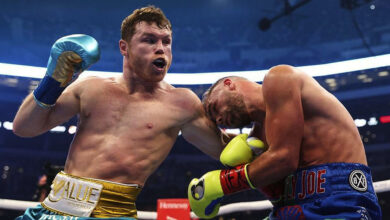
[32, 120]
[69, 56]
[284, 127]
[202, 132]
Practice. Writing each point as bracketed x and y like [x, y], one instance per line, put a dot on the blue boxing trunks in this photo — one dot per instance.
[327, 191]
[78, 198]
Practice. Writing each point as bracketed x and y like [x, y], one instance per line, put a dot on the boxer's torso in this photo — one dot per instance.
[329, 134]
[124, 137]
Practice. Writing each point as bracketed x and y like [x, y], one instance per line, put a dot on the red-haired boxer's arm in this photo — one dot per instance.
[32, 120]
[201, 131]
[69, 56]
[283, 127]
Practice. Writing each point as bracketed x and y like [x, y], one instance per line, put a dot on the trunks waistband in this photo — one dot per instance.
[88, 197]
[320, 181]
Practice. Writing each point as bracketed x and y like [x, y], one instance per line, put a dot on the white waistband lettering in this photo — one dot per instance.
[73, 196]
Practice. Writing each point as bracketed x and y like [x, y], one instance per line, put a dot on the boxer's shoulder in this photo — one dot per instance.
[284, 73]
[87, 83]
[184, 96]
[282, 69]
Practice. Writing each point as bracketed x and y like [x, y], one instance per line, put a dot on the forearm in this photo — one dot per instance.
[269, 168]
[30, 120]
[213, 150]
[220, 143]
[40, 111]
[206, 137]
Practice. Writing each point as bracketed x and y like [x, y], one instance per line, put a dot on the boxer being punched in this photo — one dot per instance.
[315, 166]
[127, 124]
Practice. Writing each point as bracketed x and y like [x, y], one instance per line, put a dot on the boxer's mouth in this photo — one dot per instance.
[159, 62]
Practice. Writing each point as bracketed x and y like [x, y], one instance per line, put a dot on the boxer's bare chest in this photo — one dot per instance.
[115, 109]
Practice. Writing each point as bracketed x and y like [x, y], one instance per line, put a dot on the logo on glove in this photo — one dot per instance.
[197, 190]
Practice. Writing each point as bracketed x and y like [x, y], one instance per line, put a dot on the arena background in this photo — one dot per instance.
[208, 36]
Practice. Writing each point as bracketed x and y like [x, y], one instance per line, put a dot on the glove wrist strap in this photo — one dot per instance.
[235, 180]
[47, 92]
[247, 177]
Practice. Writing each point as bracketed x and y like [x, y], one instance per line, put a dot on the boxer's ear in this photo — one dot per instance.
[229, 83]
[123, 47]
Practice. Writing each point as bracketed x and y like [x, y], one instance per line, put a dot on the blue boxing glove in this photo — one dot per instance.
[69, 56]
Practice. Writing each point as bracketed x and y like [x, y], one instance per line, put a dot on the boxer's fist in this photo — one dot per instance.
[241, 150]
[204, 194]
[69, 56]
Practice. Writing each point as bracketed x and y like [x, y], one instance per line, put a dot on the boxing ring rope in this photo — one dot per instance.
[211, 77]
[380, 186]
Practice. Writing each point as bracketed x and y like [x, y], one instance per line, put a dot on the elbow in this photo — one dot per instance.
[23, 134]
[291, 166]
[19, 130]
[287, 161]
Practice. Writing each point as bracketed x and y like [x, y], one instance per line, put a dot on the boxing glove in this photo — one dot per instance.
[241, 150]
[69, 56]
[205, 194]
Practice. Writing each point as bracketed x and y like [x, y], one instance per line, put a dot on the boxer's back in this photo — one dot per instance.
[330, 134]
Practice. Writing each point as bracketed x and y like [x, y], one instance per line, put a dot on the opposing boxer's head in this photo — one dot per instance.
[225, 105]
